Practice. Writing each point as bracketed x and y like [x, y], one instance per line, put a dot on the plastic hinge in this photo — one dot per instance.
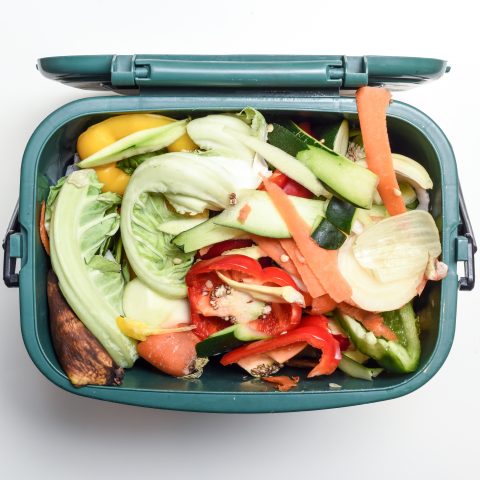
[355, 72]
[123, 71]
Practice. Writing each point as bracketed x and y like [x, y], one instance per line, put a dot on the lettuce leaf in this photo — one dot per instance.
[52, 195]
[159, 263]
[83, 220]
[129, 165]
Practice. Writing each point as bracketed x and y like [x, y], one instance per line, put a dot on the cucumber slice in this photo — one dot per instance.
[328, 236]
[346, 179]
[227, 339]
[176, 227]
[263, 218]
[207, 233]
[340, 214]
[281, 137]
[336, 137]
[357, 370]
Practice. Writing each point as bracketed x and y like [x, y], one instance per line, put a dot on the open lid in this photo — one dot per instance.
[132, 72]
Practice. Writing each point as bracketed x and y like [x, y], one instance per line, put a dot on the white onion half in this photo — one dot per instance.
[368, 292]
[398, 247]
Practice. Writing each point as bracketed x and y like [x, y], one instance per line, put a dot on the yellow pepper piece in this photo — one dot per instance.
[183, 144]
[105, 133]
[113, 179]
[141, 330]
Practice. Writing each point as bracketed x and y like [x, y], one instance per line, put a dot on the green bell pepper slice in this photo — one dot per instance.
[400, 356]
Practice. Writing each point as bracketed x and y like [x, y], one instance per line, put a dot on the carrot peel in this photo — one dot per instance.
[43, 231]
[282, 382]
[372, 104]
[323, 263]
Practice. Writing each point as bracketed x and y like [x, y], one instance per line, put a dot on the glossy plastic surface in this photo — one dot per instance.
[333, 72]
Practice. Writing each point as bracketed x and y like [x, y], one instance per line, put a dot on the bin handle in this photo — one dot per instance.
[10, 277]
[465, 229]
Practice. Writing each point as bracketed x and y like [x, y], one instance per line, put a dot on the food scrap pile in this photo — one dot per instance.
[260, 244]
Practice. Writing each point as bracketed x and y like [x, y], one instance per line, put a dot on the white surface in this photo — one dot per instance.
[47, 433]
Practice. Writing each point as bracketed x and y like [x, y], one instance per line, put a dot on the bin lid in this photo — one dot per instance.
[335, 72]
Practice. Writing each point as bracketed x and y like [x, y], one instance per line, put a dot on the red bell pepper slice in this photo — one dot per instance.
[283, 317]
[313, 330]
[217, 249]
[289, 186]
[306, 127]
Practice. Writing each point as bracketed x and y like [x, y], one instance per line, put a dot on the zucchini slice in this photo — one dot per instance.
[284, 139]
[328, 236]
[340, 213]
[227, 339]
[336, 137]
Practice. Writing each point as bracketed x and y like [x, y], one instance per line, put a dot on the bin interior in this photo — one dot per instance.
[405, 138]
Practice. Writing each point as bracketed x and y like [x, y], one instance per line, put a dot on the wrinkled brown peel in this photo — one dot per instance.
[80, 354]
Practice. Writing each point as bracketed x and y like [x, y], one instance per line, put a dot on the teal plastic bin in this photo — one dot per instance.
[299, 87]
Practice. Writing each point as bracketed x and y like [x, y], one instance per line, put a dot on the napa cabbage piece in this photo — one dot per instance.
[219, 135]
[190, 182]
[243, 136]
[82, 220]
[159, 263]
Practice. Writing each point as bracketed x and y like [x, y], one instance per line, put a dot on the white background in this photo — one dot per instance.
[47, 433]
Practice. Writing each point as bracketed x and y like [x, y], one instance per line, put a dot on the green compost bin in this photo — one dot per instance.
[299, 87]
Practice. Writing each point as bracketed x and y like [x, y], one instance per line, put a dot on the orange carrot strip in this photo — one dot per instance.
[314, 287]
[273, 248]
[323, 304]
[323, 262]
[371, 321]
[43, 231]
[372, 104]
[282, 383]
[244, 213]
